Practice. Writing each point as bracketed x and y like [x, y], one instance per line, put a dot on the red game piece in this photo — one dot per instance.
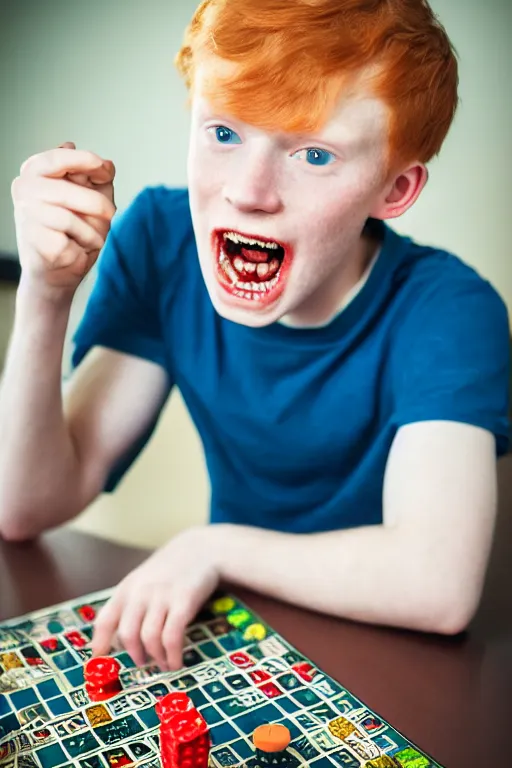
[76, 639]
[51, 644]
[242, 660]
[86, 612]
[260, 676]
[101, 676]
[184, 737]
[304, 670]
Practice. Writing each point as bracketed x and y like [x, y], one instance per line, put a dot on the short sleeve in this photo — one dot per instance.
[451, 360]
[122, 312]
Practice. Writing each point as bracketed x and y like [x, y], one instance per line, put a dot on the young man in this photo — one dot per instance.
[349, 385]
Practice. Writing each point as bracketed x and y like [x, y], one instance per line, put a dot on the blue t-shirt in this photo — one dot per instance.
[297, 425]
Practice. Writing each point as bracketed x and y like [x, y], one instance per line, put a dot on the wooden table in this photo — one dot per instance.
[451, 696]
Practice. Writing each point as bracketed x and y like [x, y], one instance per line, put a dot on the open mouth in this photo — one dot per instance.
[249, 267]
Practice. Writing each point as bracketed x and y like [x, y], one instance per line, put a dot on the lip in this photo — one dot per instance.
[229, 289]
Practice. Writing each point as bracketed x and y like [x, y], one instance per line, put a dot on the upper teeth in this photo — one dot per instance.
[249, 240]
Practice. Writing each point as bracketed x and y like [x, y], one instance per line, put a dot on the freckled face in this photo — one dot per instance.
[278, 217]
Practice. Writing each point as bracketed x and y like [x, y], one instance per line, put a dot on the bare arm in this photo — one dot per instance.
[56, 452]
[422, 569]
[55, 455]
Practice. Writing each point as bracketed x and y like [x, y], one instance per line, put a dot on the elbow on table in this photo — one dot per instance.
[17, 531]
[18, 524]
[450, 612]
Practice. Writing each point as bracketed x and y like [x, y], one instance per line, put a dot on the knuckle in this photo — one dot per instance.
[128, 636]
[107, 208]
[150, 636]
[28, 163]
[90, 159]
[53, 248]
[103, 620]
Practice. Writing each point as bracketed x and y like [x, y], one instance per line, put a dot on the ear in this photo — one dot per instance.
[401, 193]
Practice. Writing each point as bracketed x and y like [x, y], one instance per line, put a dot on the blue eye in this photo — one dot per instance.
[315, 156]
[319, 156]
[226, 135]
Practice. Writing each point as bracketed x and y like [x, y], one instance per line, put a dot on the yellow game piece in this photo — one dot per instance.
[341, 728]
[272, 737]
[255, 632]
[223, 605]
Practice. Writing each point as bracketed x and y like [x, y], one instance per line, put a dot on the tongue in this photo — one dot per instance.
[250, 254]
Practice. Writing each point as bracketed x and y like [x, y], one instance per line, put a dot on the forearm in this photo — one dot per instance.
[38, 463]
[365, 574]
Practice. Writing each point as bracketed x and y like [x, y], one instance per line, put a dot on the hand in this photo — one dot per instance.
[63, 206]
[151, 608]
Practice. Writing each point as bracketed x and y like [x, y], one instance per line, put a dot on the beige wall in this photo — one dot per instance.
[101, 73]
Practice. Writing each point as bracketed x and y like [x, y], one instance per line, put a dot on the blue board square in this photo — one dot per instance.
[305, 697]
[49, 689]
[344, 758]
[64, 660]
[322, 762]
[210, 650]
[5, 707]
[119, 730]
[222, 734]
[268, 713]
[126, 660]
[80, 743]
[216, 690]
[225, 757]
[26, 698]
[289, 705]
[233, 642]
[8, 723]
[243, 748]
[197, 696]
[59, 706]
[76, 676]
[149, 717]
[294, 729]
[237, 682]
[51, 756]
[211, 715]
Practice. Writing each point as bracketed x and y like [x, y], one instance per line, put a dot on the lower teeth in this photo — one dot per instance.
[256, 289]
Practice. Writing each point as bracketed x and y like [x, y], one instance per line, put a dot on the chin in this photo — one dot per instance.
[240, 310]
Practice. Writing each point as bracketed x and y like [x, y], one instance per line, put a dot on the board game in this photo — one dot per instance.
[237, 671]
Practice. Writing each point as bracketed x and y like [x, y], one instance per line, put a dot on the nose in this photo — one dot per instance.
[253, 187]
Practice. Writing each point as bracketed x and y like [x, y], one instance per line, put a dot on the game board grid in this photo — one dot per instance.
[206, 649]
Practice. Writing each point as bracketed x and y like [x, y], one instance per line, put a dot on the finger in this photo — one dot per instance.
[152, 629]
[64, 220]
[106, 624]
[78, 178]
[55, 248]
[58, 162]
[129, 630]
[65, 194]
[173, 634]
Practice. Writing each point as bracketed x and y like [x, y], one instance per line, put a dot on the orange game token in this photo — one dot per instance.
[271, 738]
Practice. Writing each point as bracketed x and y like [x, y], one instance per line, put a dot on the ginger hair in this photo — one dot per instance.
[291, 61]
